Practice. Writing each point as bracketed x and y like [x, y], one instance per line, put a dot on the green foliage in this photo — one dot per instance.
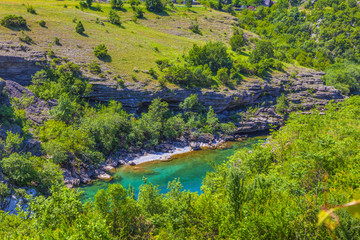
[64, 143]
[13, 21]
[188, 3]
[101, 51]
[237, 42]
[57, 41]
[42, 23]
[79, 28]
[30, 9]
[139, 13]
[116, 4]
[25, 38]
[343, 76]
[281, 104]
[94, 67]
[154, 5]
[114, 18]
[189, 76]
[213, 54]
[66, 110]
[7, 115]
[55, 81]
[263, 50]
[194, 27]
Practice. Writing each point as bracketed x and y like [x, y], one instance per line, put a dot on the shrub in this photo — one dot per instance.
[79, 28]
[114, 18]
[213, 54]
[25, 38]
[191, 77]
[30, 9]
[83, 5]
[101, 51]
[134, 3]
[139, 13]
[94, 67]
[154, 5]
[89, 3]
[237, 42]
[42, 23]
[116, 4]
[57, 41]
[263, 50]
[188, 3]
[194, 27]
[13, 21]
[51, 53]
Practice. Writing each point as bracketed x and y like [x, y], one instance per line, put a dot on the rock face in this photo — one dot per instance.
[307, 89]
[19, 63]
[36, 109]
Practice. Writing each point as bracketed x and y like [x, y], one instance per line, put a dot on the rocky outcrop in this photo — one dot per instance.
[306, 89]
[19, 63]
[36, 109]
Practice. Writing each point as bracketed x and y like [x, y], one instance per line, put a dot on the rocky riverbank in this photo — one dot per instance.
[164, 151]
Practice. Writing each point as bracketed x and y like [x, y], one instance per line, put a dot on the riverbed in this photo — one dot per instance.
[190, 167]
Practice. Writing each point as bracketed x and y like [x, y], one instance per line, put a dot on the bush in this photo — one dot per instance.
[79, 28]
[94, 67]
[116, 4]
[25, 38]
[343, 76]
[30, 9]
[42, 23]
[57, 41]
[213, 54]
[154, 5]
[263, 50]
[191, 77]
[237, 42]
[13, 21]
[114, 18]
[194, 27]
[139, 13]
[101, 51]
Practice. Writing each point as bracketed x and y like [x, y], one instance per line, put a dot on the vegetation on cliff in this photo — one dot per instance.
[274, 191]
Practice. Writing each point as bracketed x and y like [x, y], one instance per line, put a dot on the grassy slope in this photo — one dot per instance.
[130, 46]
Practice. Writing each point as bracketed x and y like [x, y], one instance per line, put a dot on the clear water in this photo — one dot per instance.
[190, 167]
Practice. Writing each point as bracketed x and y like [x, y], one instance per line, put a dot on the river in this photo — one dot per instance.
[190, 167]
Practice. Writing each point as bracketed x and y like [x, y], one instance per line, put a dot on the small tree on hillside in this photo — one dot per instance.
[188, 3]
[237, 42]
[89, 3]
[101, 51]
[114, 18]
[154, 5]
[79, 28]
[116, 4]
[263, 50]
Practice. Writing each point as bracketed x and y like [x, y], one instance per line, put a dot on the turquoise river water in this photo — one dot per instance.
[190, 167]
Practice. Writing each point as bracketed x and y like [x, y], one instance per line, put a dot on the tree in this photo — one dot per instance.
[213, 54]
[237, 42]
[79, 28]
[188, 3]
[116, 4]
[154, 5]
[352, 3]
[101, 51]
[19, 168]
[263, 50]
[114, 18]
[89, 3]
